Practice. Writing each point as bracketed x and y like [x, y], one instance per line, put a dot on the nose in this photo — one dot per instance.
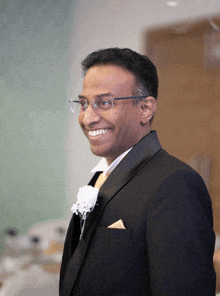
[90, 116]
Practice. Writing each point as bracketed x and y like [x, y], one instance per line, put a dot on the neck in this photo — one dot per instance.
[111, 158]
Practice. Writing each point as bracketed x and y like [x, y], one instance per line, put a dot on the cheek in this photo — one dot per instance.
[129, 120]
[80, 120]
[130, 127]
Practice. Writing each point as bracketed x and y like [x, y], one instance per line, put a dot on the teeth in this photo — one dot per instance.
[97, 132]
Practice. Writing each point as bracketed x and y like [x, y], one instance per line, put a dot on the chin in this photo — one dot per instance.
[98, 151]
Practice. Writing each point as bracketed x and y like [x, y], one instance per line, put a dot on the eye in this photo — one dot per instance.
[105, 103]
[83, 105]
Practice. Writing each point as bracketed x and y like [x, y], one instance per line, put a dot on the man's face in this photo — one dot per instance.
[121, 126]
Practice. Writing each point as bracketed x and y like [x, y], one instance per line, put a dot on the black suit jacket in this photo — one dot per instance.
[167, 246]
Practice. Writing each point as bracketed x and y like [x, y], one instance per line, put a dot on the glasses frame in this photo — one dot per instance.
[93, 103]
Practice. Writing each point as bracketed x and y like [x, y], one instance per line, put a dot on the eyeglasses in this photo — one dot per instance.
[100, 105]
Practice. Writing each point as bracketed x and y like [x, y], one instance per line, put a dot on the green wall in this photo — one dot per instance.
[34, 77]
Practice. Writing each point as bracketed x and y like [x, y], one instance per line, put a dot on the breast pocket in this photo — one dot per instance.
[113, 234]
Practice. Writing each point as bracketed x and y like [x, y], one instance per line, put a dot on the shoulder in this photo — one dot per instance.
[169, 178]
[179, 186]
[164, 166]
[162, 157]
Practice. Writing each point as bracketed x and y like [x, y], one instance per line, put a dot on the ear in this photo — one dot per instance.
[148, 109]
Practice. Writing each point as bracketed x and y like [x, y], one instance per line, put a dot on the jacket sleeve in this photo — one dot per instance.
[180, 238]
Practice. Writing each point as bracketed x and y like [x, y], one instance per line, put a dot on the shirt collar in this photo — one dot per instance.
[103, 166]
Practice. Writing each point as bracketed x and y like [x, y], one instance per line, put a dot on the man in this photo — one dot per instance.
[151, 230]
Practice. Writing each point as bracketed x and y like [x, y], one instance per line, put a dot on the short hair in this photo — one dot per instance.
[141, 66]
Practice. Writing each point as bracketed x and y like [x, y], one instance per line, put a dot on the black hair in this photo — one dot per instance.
[140, 65]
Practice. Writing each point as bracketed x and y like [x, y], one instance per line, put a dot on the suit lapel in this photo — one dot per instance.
[142, 152]
[70, 267]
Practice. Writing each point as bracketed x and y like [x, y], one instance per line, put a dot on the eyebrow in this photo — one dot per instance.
[98, 96]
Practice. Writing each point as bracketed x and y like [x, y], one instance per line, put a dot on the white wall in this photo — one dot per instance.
[100, 24]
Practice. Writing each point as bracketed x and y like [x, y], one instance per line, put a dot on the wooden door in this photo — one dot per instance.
[187, 57]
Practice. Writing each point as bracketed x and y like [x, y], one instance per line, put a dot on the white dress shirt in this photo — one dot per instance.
[103, 166]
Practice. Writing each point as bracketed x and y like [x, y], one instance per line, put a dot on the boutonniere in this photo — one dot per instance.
[86, 201]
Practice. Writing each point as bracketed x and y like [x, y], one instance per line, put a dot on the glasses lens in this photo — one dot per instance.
[82, 105]
[75, 106]
[99, 105]
[105, 103]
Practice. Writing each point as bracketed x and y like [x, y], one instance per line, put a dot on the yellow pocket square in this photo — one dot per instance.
[118, 224]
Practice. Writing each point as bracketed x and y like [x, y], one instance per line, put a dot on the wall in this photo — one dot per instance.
[33, 81]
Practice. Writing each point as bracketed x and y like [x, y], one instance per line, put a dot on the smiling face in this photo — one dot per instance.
[119, 128]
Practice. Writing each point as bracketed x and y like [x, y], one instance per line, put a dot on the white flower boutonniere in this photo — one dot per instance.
[86, 200]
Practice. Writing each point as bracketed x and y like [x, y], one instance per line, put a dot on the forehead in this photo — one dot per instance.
[109, 78]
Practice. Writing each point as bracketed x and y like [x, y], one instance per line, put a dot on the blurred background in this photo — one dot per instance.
[45, 157]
